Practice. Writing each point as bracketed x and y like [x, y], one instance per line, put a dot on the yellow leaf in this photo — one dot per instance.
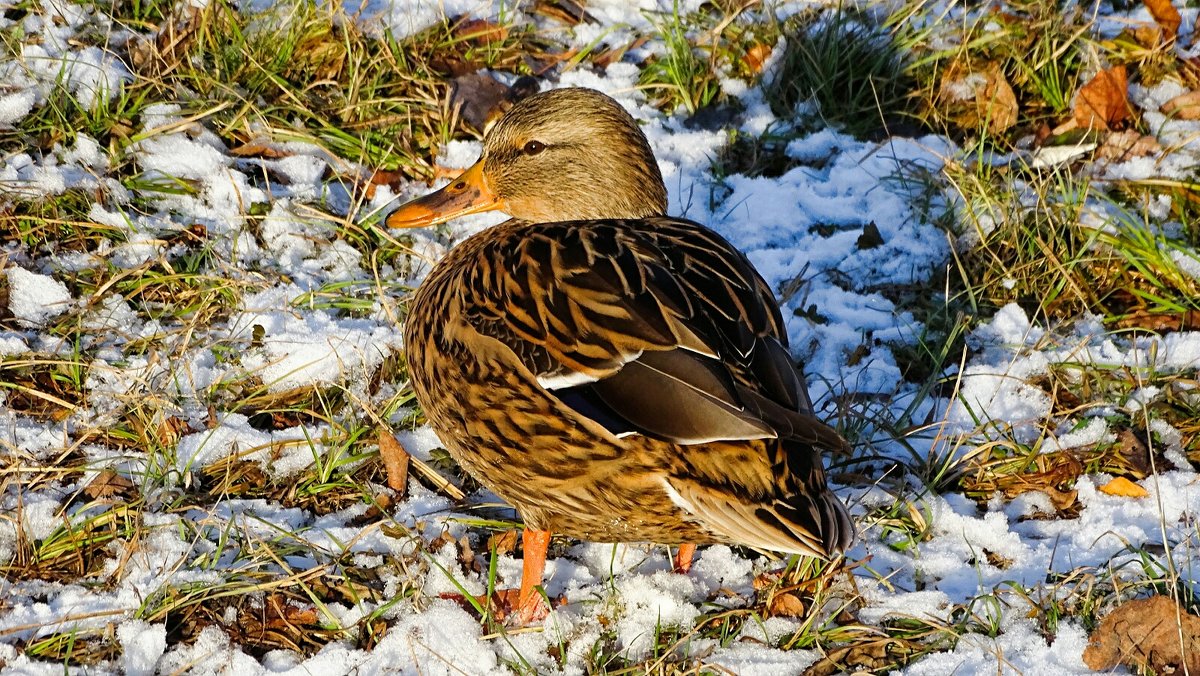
[1124, 487]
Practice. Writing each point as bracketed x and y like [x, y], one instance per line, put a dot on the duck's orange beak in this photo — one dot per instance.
[467, 194]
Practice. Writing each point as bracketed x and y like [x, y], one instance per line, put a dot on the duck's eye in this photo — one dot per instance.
[534, 147]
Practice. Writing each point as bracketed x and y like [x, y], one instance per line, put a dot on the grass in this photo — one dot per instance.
[851, 69]
[683, 75]
[261, 565]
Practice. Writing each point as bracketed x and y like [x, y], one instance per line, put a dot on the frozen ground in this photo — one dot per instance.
[805, 224]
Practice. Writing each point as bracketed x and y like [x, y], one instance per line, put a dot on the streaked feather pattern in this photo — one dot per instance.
[614, 374]
[680, 416]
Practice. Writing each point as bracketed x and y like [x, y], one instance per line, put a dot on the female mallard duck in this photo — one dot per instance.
[613, 373]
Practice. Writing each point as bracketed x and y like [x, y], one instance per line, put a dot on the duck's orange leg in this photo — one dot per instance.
[525, 603]
[683, 558]
[533, 567]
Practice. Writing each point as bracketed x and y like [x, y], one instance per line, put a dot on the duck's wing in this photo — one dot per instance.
[656, 327]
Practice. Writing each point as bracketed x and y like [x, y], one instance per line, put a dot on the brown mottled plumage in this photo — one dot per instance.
[614, 374]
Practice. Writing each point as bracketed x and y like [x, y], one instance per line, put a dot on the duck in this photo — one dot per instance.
[613, 373]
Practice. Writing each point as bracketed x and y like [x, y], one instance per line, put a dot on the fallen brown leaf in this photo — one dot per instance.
[996, 102]
[108, 484]
[444, 538]
[607, 57]
[392, 179]
[395, 461]
[870, 237]
[1189, 71]
[1143, 35]
[1160, 321]
[998, 560]
[990, 97]
[1126, 145]
[1133, 455]
[1183, 107]
[1153, 633]
[282, 614]
[987, 94]
[764, 580]
[259, 148]
[1165, 15]
[785, 605]
[466, 556]
[474, 95]
[171, 429]
[1051, 473]
[480, 31]
[1123, 487]
[1103, 102]
[569, 12]
[880, 655]
[504, 542]
[1062, 500]
[169, 48]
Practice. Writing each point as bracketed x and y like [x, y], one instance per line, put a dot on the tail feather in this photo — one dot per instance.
[821, 516]
[788, 508]
[810, 500]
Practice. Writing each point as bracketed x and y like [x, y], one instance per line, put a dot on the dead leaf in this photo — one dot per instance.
[1052, 473]
[996, 102]
[1127, 145]
[1153, 633]
[785, 605]
[1160, 322]
[569, 12]
[169, 48]
[108, 484]
[466, 556]
[1062, 500]
[392, 179]
[870, 237]
[444, 538]
[1124, 488]
[1165, 15]
[1183, 107]
[480, 31]
[861, 351]
[1133, 454]
[882, 655]
[504, 542]
[978, 96]
[282, 614]
[756, 57]
[395, 460]
[1103, 102]
[764, 580]
[473, 97]
[1189, 71]
[998, 560]
[171, 429]
[608, 57]
[259, 148]
[523, 88]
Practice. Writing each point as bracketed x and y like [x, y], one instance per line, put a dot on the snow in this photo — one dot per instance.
[35, 299]
[802, 230]
[144, 644]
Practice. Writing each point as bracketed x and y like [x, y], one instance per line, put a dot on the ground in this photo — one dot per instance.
[981, 222]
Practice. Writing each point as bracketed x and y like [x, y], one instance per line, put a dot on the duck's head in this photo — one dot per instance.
[562, 155]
